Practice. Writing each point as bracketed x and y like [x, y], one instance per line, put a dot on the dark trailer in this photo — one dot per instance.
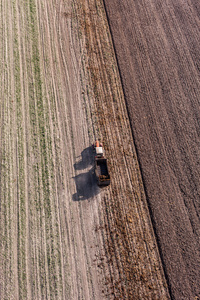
[101, 171]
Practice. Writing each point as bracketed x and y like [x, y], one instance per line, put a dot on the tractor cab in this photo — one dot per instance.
[98, 149]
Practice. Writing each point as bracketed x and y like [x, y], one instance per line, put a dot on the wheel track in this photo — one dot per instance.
[37, 212]
[23, 78]
[9, 280]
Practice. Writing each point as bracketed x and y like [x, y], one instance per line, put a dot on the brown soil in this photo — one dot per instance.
[62, 237]
[157, 47]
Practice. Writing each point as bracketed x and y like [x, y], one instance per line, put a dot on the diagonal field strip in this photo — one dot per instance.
[61, 236]
[159, 42]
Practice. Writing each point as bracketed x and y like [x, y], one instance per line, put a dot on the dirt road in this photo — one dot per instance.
[157, 47]
[61, 237]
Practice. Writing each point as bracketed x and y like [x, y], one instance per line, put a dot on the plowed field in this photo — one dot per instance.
[61, 237]
[157, 47]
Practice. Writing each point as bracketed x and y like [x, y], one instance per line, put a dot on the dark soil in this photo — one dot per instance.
[157, 48]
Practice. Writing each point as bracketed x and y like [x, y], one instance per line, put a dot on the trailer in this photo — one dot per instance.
[101, 168]
[101, 171]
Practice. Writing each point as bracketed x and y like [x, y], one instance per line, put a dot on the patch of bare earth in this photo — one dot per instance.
[157, 47]
[62, 237]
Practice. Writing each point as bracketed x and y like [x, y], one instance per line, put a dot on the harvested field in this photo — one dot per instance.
[157, 47]
[61, 237]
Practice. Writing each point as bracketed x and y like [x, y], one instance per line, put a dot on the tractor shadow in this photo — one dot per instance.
[86, 183]
[86, 186]
[87, 159]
